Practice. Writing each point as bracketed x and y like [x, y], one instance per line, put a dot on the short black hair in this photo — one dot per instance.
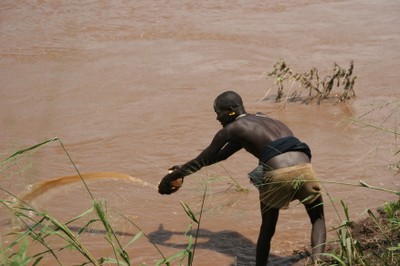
[228, 100]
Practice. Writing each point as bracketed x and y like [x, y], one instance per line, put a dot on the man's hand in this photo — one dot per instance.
[170, 183]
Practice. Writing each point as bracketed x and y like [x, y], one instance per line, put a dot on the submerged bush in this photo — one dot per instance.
[310, 81]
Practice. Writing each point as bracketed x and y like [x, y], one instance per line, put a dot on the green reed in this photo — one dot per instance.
[40, 227]
[350, 249]
[350, 252]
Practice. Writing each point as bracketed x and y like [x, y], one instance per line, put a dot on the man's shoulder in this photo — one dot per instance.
[241, 125]
[259, 114]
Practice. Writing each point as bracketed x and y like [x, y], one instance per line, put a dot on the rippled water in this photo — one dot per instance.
[128, 87]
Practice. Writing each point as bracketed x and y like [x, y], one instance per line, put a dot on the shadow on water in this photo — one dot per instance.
[226, 242]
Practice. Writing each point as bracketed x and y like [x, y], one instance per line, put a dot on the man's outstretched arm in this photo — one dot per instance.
[218, 150]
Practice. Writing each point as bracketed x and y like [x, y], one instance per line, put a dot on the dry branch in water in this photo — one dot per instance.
[310, 81]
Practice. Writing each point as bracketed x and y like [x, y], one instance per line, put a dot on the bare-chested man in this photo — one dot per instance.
[284, 172]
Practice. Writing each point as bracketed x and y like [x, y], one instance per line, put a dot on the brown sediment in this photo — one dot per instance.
[41, 187]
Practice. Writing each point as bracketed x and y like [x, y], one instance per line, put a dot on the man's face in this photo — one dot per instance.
[223, 116]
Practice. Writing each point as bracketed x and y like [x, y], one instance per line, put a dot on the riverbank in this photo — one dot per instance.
[374, 240]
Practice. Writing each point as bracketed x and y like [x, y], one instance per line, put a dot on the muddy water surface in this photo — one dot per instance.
[128, 87]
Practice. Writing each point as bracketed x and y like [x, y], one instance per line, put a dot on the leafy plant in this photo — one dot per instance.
[20, 257]
[350, 252]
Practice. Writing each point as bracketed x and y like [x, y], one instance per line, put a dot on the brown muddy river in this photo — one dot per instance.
[128, 87]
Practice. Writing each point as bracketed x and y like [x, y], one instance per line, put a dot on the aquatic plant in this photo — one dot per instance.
[311, 82]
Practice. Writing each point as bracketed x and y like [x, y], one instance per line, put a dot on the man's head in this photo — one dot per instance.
[228, 105]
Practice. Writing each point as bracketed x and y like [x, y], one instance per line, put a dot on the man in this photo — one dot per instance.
[284, 172]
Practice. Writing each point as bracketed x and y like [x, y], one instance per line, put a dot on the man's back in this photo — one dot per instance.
[255, 132]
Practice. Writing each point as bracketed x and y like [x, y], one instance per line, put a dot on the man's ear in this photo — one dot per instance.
[232, 111]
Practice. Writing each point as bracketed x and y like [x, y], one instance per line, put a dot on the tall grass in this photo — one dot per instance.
[352, 246]
[40, 227]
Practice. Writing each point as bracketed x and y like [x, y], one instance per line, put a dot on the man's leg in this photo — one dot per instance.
[269, 218]
[318, 232]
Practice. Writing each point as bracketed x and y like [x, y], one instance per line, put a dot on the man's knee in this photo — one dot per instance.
[316, 210]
